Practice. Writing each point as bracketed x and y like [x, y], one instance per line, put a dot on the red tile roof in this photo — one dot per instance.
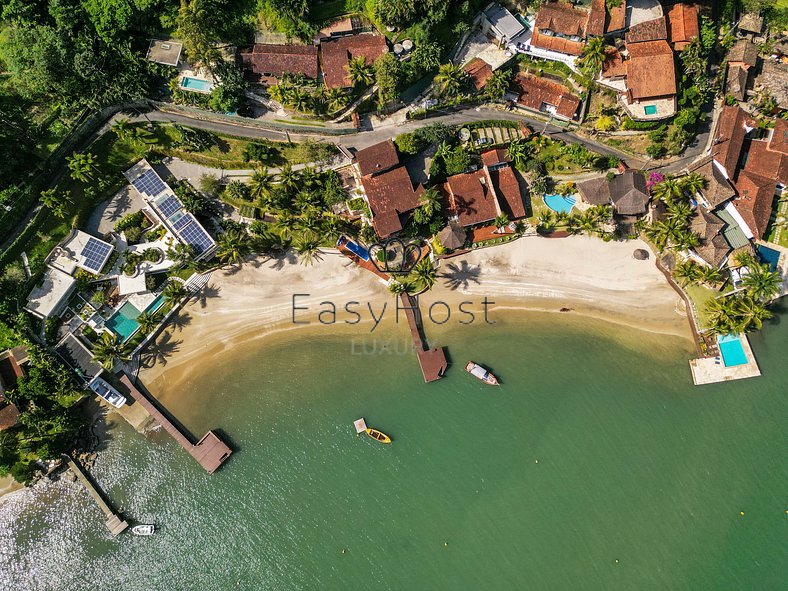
[390, 194]
[274, 60]
[766, 163]
[779, 140]
[471, 197]
[754, 202]
[557, 44]
[596, 18]
[507, 190]
[377, 158]
[479, 72]
[337, 53]
[534, 92]
[9, 416]
[617, 18]
[562, 17]
[650, 70]
[682, 25]
[653, 30]
[614, 65]
[495, 156]
[729, 138]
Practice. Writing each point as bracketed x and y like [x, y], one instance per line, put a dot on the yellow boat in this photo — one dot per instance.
[378, 435]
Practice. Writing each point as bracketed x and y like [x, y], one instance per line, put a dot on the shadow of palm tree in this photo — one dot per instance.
[159, 350]
[461, 276]
[206, 293]
[180, 320]
[286, 257]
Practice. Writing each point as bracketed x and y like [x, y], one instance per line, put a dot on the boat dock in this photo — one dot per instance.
[210, 451]
[711, 370]
[432, 361]
[114, 524]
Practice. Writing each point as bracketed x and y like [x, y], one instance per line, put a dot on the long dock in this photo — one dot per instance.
[210, 451]
[114, 524]
[432, 361]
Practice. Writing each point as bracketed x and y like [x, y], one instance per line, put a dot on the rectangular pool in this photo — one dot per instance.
[196, 84]
[769, 256]
[156, 304]
[124, 322]
[731, 350]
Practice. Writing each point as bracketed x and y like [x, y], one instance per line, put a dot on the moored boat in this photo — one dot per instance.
[378, 435]
[481, 374]
[144, 529]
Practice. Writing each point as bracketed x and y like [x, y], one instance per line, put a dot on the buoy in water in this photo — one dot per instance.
[343, 550]
[536, 461]
[445, 544]
[741, 513]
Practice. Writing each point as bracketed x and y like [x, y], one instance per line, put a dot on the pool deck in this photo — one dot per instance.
[711, 370]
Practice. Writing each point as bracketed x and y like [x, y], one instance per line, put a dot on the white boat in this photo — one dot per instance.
[146, 529]
[107, 392]
[480, 373]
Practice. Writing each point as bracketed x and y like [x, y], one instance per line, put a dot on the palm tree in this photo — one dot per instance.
[659, 233]
[721, 315]
[360, 72]
[593, 55]
[425, 273]
[751, 312]
[110, 349]
[260, 184]
[709, 275]
[498, 83]
[679, 212]
[308, 247]
[233, 247]
[174, 290]
[148, 321]
[519, 152]
[288, 178]
[762, 283]
[180, 253]
[693, 183]
[501, 220]
[56, 204]
[430, 200]
[667, 190]
[449, 79]
[744, 259]
[278, 92]
[301, 100]
[81, 166]
[687, 272]
[121, 128]
[336, 99]
[684, 239]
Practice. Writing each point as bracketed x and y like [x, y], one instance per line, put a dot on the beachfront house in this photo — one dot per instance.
[388, 188]
[757, 167]
[713, 249]
[12, 363]
[626, 192]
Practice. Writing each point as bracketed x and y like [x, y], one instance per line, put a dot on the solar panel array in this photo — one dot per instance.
[95, 253]
[149, 183]
[182, 222]
[169, 206]
[193, 233]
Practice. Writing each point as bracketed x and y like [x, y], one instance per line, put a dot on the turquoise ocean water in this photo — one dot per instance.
[596, 466]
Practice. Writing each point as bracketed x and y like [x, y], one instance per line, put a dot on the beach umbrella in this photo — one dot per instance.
[452, 236]
[640, 254]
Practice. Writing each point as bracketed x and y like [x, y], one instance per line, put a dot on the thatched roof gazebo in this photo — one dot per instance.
[452, 236]
[640, 254]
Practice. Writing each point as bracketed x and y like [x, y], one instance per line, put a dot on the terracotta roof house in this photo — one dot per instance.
[653, 30]
[751, 24]
[614, 67]
[713, 248]
[754, 202]
[718, 189]
[596, 18]
[335, 55]
[595, 191]
[616, 18]
[736, 82]
[741, 59]
[744, 53]
[628, 193]
[733, 125]
[772, 79]
[265, 64]
[388, 187]
[545, 96]
[339, 28]
[377, 158]
[561, 27]
[682, 25]
[471, 198]
[479, 72]
[778, 141]
[505, 183]
[651, 80]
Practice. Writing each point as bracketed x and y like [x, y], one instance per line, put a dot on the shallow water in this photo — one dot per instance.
[597, 465]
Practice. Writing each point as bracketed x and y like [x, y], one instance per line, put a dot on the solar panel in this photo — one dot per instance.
[194, 234]
[182, 222]
[149, 183]
[95, 253]
[169, 206]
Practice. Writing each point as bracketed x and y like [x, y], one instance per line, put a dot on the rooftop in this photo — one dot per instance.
[504, 21]
[265, 61]
[616, 17]
[377, 158]
[718, 189]
[562, 18]
[650, 70]
[471, 198]
[596, 18]
[479, 72]
[164, 52]
[595, 191]
[80, 250]
[628, 193]
[78, 356]
[751, 23]
[47, 296]
[682, 25]
[652, 30]
[390, 194]
[536, 92]
[745, 52]
[754, 202]
[772, 79]
[336, 54]
[733, 125]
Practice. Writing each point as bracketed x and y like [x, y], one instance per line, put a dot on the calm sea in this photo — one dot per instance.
[596, 466]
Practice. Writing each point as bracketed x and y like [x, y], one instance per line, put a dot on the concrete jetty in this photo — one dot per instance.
[114, 524]
[210, 451]
[432, 361]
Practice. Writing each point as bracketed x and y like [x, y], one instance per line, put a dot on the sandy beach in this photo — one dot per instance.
[580, 275]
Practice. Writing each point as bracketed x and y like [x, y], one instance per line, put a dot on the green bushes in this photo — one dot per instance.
[131, 220]
[630, 124]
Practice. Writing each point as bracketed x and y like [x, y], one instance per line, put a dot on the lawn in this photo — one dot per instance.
[777, 232]
[319, 13]
[699, 295]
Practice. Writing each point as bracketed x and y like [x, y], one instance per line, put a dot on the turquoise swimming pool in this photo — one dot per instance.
[196, 84]
[559, 203]
[124, 322]
[769, 256]
[156, 304]
[731, 350]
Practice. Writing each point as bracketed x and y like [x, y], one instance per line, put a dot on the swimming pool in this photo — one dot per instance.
[124, 322]
[559, 203]
[731, 350]
[769, 256]
[156, 304]
[356, 249]
[196, 84]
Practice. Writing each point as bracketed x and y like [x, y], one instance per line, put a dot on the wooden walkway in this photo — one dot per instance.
[114, 524]
[210, 451]
[432, 361]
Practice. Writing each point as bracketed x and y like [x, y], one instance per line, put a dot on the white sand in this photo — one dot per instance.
[586, 275]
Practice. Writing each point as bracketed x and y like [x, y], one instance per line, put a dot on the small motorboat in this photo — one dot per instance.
[482, 374]
[378, 435]
[144, 529]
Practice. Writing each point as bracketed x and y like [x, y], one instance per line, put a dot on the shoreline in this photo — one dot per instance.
[588, 277]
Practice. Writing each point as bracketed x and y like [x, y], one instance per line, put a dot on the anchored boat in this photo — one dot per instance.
[378, 435]
[482, 374]
[145, 529]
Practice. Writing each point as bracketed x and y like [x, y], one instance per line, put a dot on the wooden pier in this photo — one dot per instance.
[432, 361]
[210, 451]
[114, 524]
